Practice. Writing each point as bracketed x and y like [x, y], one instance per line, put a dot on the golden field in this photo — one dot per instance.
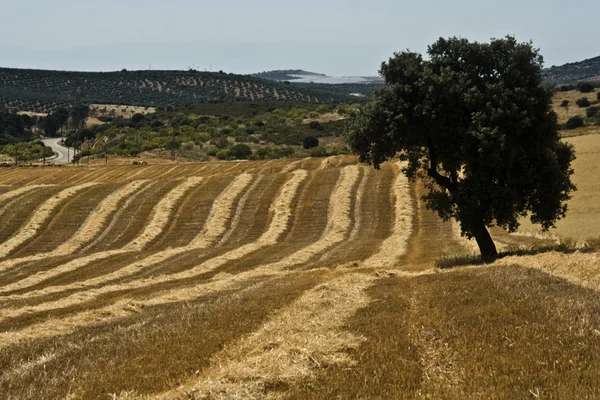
[308, 278]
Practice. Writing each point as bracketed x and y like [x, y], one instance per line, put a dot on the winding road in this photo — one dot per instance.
[60, 151]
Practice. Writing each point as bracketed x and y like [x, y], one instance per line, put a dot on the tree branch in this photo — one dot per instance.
[440, 179]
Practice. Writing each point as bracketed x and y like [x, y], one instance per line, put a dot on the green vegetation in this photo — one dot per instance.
[477, 120]
[45, 91]
[575, 122]
[309, 142]
[255, 134]
[585, 87]
[17, 137]
[583, 102]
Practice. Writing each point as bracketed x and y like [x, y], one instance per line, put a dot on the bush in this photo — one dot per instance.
[598, 95]
[565, 103]
[585, 87]
[318, 152]
[590, 112]
[574, 122]
[314, 124]
[583, 102]
[212, 151]
[137, 118]
[222, 155]
[309, 142]
[240, 151]
[566, 88]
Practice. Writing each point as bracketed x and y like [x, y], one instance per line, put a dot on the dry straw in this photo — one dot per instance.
[90, 228]
[300, 338]
[394, 246]
[39, 218]
[159, 220]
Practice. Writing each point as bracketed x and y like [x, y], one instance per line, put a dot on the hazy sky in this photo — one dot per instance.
[330, 36]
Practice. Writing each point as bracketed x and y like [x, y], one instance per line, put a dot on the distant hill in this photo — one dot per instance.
[305, 77]
[586, 70]
[285, 74]
[43, 91]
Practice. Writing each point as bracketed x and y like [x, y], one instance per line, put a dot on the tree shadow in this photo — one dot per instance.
[463, 260]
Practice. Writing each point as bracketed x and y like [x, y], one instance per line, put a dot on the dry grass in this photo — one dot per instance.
[394, 246]
[39, 218]
[496, 332]
[323, 118]
[249, 280]
[119, 110]
[91, 227]
[302, 337]
[565, 113]
[583, 216]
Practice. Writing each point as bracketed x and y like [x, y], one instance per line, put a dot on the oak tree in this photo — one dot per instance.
[475, 121]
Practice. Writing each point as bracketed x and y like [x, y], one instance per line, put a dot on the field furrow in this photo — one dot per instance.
[16, 212]
[158, 220]
[303, 337]
[149, 350]
[38, 219]
[65, 221]
[214, 227]
[91, 227]
[280, 211]
[394, 246]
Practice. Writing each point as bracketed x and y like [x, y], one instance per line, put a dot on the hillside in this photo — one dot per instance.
[43, 91]
[284, 74]
[586, 70]
[293, 278]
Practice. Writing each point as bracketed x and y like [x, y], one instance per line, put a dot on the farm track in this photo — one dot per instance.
[176, 279]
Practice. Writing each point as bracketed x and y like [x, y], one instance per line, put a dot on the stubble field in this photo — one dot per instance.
[306, 278]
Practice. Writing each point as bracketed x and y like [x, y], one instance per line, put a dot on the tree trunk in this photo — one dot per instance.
[485, 243]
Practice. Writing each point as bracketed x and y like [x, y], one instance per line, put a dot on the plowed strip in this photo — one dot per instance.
[160, 217]
[395, 246]
[39, 218]
[337, 228]
[91, 227]
[338, 221]
[16, 212]
[281, 212]
[213, 229]
[302, 337]
[19, 191]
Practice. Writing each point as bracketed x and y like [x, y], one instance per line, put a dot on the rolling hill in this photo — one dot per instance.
[43, 91]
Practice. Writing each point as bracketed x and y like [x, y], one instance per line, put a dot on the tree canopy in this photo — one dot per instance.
[476, 122]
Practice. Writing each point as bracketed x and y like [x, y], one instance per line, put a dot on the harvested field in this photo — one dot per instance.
[310, 278]
[583, 217]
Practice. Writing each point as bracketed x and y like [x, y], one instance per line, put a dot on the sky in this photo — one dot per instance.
[339, 38]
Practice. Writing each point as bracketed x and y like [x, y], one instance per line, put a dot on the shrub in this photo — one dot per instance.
[222, 155]
[240, 151]
[565, 103]
[314, 124]
[318, 152]
[574, 122]
[309, 142]
[598, 95]
[566, 88]
[137, 118]
[583, 102]
[585, 87]
[590, 112]
[212, 151]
